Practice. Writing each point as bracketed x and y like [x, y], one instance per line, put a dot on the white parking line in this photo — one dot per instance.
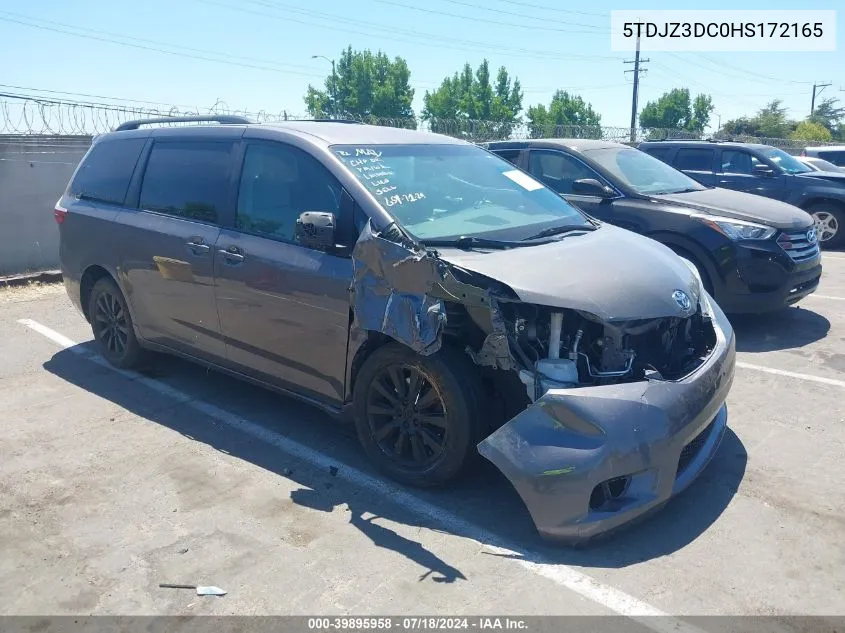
[792, 374]
[815, 296]
[565, 576]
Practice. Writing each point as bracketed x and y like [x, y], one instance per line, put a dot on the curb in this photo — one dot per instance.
[44, 277]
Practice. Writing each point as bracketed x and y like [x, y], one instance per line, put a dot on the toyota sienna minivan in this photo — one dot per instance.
[444, 300]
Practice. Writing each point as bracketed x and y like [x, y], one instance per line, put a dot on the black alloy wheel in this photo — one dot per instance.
[407, 416]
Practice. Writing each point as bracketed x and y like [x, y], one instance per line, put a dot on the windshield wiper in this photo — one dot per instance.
[558, 230]
[468, 241]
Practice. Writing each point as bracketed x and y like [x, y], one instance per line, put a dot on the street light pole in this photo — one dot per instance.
[334, 83]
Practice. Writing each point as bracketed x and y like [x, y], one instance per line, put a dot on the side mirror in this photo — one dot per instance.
[592, 187]
[315, 229]
[762, 170]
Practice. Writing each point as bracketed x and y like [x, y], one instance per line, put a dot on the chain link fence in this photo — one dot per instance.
[35, 116]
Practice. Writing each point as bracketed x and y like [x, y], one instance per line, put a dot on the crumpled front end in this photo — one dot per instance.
[601, 406]
[586, 460]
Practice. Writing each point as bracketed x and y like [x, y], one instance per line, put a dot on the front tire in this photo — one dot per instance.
[112, 325]
[828, 218]
[418, 418]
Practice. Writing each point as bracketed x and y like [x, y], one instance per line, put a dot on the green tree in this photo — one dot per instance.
[367, 86]
[468, 104]
[771, 121]
[811, 131]
[702, 108]
[830, 115]
[675, 110]
[564, 110]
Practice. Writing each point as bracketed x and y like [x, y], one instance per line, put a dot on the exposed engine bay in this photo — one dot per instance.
[566, 348]
[556, 348]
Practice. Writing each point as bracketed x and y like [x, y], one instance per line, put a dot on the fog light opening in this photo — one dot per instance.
[608, 491]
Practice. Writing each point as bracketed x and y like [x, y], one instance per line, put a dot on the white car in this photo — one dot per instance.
[819, 164]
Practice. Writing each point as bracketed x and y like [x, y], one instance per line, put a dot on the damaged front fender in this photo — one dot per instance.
[399, 289]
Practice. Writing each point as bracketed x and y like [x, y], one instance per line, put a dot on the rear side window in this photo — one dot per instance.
[694, 159]
[188, 179]
[661, 153]
[106, 171]
[836, 157]
[510, 155]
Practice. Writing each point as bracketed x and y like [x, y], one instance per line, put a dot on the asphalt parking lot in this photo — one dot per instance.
[113, 483]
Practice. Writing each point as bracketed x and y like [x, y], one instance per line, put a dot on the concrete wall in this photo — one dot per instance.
[34, 171]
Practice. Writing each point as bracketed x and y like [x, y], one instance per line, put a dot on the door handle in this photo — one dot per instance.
[197, 246]
[232, 255]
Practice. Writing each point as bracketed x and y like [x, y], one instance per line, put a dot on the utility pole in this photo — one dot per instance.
[813, 102]
[334, 83]
[636, 62]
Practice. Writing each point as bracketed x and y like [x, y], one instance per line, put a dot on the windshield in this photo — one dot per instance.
[642, 173]
[822, 165]
[445, 191]
[787, 163]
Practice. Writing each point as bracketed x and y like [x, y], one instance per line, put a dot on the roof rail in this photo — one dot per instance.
[221, 118]
[352, 121]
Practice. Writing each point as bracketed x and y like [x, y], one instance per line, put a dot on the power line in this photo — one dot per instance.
[548, 8]
[151, 48]
[720, 67]
[518, 15]
[477, 19]
[380, 30]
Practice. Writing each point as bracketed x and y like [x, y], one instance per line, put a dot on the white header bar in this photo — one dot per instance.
[740, 31]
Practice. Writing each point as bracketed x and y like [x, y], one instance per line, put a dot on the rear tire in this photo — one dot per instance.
[418, 418]
[112, 325]
[828, 219]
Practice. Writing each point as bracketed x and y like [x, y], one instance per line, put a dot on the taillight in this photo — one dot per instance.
[60, 213]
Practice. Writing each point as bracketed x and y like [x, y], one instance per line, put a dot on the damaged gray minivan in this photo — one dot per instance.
[448, 301]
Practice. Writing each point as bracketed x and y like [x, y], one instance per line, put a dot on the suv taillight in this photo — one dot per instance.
[60, 213]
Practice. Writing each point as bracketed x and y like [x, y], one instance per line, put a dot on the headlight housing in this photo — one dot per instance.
[737, 230]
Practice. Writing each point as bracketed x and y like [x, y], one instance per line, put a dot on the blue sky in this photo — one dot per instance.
[269, 44]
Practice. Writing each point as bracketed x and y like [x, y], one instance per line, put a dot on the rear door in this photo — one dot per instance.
[168, 246]
[698, 163]
[735, 170]
[284, 308]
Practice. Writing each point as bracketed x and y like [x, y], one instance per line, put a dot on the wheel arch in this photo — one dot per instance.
[685, 247]
[89, 278]
[816, 199]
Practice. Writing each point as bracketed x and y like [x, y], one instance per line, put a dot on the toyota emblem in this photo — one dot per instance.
[683, 300]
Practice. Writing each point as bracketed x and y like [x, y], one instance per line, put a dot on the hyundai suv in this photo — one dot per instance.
[754, 255]
[438, 296]
[765, 171]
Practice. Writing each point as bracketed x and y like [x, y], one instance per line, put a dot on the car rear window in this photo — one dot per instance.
[187, 179]
[659, 152]
[106, 171]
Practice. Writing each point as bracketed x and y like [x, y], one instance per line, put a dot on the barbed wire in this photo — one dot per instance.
[67, 121]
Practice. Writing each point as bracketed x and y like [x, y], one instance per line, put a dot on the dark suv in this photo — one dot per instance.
[441, 297]
[753, 254]
[765, 171]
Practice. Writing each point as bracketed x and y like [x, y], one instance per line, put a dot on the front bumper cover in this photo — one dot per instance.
[658, 435]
